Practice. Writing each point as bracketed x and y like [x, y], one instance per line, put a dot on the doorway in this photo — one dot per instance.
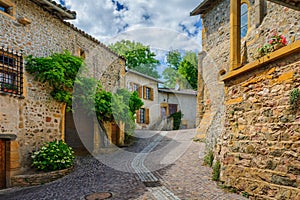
[2, 164]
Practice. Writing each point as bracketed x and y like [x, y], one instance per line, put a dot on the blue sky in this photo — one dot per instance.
[163, 25]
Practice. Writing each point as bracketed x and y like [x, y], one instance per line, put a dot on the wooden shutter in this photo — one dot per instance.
[147, 117]
[151, 94]
[138, 116]
[144, 92]
[140, 92]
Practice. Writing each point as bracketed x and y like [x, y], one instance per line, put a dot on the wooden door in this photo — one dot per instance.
[115, 133]
[2, 165]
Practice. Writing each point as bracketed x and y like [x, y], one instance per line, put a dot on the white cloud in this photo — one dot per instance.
[104, 19]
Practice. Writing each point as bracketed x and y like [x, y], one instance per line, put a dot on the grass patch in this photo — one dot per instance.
[209, 158]
[216, 171]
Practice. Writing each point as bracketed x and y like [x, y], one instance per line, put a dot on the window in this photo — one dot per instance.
[142, 116]
[7, 7]
[136, 87]
[11, 72]
[244, 20]
[148, 93]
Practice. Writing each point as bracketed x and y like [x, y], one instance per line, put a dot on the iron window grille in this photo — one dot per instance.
[11, 72]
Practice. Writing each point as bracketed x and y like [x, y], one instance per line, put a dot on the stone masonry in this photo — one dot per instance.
[247, 118]
[37, 118]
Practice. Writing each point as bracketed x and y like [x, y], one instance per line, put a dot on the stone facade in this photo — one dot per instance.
[37, 118]
[246, 115]
[260, 147]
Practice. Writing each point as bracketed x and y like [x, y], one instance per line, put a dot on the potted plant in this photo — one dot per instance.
[276, 42]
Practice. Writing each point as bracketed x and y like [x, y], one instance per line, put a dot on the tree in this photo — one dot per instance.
[171, 74]
[138, 57]
[188, 69]
[181, 70]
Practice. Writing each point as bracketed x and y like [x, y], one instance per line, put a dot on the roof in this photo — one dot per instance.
[145, 76]
[56, 9]
[293, 4]
[91, 38]
[187, 92]
[206, 5]
[203, 7]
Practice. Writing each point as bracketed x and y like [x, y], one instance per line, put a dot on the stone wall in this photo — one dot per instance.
[216, 45]
[248, 120]
[37, 118]
[260, 148]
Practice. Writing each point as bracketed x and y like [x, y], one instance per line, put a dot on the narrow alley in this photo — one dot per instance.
[160, 165]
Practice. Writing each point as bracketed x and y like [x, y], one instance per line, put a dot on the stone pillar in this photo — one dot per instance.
[200, 94]
[235, 35]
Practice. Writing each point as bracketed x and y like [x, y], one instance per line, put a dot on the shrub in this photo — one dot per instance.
[209, 158]
[294, 98]
[176, 120]
[216, 171]
[53, 156]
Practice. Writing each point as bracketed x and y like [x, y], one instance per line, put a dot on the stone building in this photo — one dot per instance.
[28, 114]
[172, 101]
[147, 87]
[244, 108]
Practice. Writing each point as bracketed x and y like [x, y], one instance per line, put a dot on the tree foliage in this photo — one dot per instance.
[138, 57]
[181, 69]
[189, 70]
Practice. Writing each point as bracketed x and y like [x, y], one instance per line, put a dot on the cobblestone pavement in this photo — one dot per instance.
[175, 165]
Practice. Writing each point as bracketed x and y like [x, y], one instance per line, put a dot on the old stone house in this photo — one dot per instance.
[147, 87]
[244, 108]
[28, 114]
[172, 101]
[160, 103]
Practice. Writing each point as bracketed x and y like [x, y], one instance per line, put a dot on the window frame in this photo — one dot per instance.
[10, 7]
[245, 2]
[11, 73]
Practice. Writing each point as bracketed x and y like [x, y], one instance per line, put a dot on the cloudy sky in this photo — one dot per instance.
[161, 24]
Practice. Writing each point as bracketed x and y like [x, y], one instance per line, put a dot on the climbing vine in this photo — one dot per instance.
[59, 70]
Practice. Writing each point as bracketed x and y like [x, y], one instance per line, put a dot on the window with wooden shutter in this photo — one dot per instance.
[147, 116]
[148, 93]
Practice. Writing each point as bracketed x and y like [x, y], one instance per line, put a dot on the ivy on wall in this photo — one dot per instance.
[59, 70]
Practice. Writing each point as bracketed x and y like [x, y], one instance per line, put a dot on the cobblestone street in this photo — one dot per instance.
[160, 166]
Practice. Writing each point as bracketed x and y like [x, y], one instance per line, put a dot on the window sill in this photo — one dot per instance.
[280, 53]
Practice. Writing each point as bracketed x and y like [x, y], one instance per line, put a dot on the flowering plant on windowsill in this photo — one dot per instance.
[276, 42]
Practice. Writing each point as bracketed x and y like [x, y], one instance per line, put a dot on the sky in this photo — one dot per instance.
[164, 25]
